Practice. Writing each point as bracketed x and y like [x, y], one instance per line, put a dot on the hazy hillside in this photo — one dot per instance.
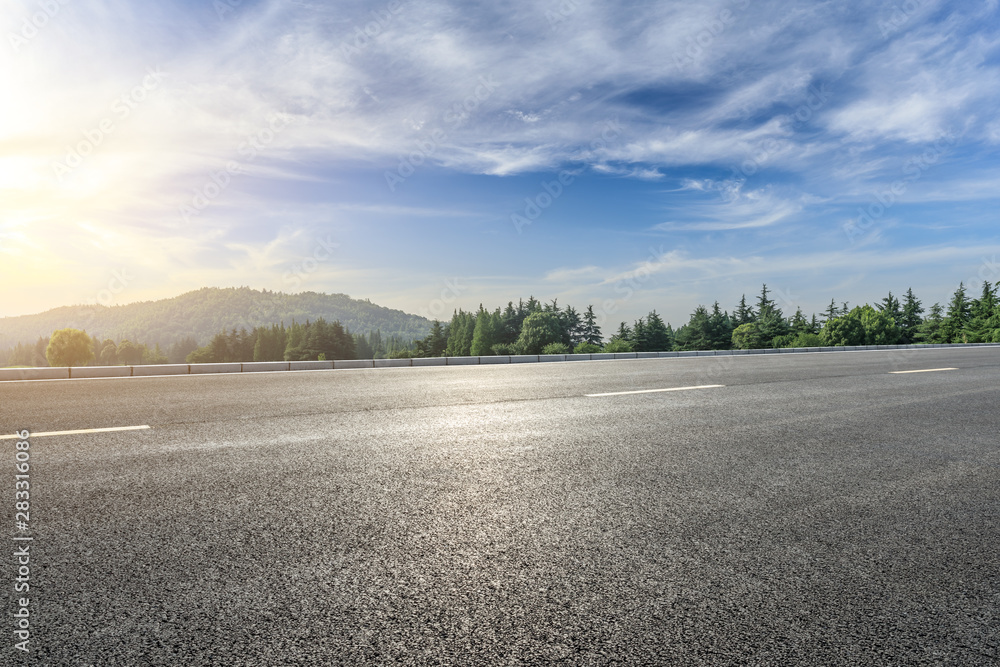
[206, 312]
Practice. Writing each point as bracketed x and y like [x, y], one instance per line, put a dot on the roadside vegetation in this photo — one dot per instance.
[533, 327]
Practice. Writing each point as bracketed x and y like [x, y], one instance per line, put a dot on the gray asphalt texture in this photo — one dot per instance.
[816, 510]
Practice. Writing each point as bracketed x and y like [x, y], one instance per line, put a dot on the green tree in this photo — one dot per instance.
[640, 336]
[590, 330]
[931, 330]
[484, 336]
[891, 307]
[586, 348]
[831, 312]
[910, 318]
[720, 329]
[744, 314]
[959, 314]
[844, 330]
[69, 347]
[747, 337]
[129, 353]
[109, 354]
[538, 330]
[658, 338]
[697, 333]
[556, 348]
[880, 328]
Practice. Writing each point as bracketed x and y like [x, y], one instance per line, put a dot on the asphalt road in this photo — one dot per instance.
[816, 509]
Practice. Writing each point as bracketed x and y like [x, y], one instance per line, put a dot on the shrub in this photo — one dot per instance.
[618, 345]
[556, 348]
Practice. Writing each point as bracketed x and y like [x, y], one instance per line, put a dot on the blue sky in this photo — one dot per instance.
[427, 156]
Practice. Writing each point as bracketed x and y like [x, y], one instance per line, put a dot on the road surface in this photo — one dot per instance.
[803, 509]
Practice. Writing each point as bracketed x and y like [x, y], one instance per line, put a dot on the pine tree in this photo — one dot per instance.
[720, 328]
[484, 334]
[744, 314]
[831, 312]
[959, 313]
[658, 338]
[890, 306]
[910, 318]
[931, 330]
[640, 336]
[591, 331]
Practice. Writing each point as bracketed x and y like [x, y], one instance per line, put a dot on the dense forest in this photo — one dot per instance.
[533, 327]
[203, 313]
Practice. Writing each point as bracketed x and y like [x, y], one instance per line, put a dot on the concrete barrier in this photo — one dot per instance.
[494, 359]
[310, 365]
[197, 369]
[100, 372]
[161, 369]
[391, 363]
[461, 361]
[354, 363]
[264, 366]
[430, 361]
[16, 374]
[34, 373]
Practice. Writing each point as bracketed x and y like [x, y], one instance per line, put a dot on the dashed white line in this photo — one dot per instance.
[924, 370]
[655, 391]
[82, 430]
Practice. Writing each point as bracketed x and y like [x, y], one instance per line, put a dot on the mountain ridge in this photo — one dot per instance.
[204, 312]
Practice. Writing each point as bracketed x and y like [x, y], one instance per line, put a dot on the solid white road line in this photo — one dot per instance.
[83, 430]
[925, 370]
[655, 391]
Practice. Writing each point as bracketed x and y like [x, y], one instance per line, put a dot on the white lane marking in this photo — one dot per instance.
[654, 391]
[83, 430]
[925, 370]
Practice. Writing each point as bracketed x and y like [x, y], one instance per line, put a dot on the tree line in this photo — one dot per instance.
[318, 340]
[533, 327]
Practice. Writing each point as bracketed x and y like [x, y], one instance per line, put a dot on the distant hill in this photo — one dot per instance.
[205, 312]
